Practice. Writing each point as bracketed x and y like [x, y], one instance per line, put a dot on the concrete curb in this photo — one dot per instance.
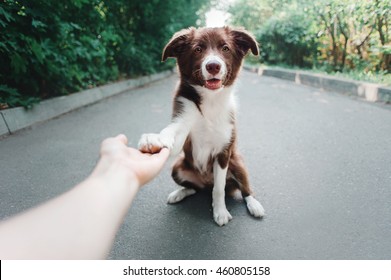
[12, 120]
[368, 91]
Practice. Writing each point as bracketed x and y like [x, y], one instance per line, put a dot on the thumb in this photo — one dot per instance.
[122, 138]
[164, 154]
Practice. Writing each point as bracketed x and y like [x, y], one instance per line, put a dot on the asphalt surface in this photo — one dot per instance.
[320, 164]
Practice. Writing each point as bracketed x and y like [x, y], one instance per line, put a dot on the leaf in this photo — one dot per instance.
[3, 24]
[7, 16]
[18, 64]
[8, 90]
[38, 24]
[37, 51]
[75, 26]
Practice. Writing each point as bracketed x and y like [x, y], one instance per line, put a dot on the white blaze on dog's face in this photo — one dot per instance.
[214, 70]
[210, 57]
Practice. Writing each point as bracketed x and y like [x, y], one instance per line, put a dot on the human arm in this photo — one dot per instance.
[82, 223]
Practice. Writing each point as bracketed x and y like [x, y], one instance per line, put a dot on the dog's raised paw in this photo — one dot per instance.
[150, 143]
[153, 143]
[254, 207]
[167, 141]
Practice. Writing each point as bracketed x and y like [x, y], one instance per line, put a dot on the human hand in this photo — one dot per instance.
[142, 167]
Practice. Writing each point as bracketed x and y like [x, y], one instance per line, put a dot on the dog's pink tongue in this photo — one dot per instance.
[213, 84]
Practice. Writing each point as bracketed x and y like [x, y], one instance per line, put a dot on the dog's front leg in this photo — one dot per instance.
[154, 142]
[174, 135]
[171, 137]
[220, 212]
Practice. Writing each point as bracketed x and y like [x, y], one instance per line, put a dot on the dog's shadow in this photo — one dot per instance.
[198, 207]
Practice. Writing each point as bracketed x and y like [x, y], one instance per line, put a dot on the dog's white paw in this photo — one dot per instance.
[254, 207]
[167, 141]
[179, 195]
[153, 143]
[221, 215]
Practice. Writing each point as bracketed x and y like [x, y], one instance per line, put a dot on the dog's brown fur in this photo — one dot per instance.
[183, 47]
[203, 122]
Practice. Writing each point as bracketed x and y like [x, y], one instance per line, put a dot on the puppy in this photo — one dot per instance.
[203, 123]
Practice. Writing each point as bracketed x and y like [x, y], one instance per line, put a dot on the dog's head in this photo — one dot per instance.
[210, 57]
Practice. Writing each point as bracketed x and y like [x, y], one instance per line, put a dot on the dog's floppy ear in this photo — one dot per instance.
[178, 43]
[245, 41]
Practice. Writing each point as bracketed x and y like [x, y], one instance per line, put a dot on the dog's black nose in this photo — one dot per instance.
[213, 67]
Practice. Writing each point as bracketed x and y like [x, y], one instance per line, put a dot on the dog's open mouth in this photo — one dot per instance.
[213, 84]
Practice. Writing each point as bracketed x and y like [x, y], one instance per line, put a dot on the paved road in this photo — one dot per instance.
[320, 164]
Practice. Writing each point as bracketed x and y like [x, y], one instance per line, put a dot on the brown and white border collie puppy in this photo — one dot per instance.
[203, 119]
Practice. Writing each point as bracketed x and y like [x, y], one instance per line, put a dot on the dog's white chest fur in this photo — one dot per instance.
[212, 130]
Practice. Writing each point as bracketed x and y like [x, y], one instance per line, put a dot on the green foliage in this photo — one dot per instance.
[50, 48]
[10, 97]
[250, 18]
[331, 35]
[288, 39]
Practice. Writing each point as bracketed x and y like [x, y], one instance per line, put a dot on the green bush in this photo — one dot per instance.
[336, 36]
[288, 39]
[50, 48]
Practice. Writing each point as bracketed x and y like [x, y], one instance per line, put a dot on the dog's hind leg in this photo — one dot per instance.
[179, 195]
[185, 178]
[240, 175]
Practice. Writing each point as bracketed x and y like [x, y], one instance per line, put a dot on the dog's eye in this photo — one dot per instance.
[198, 49]
[225, 48]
